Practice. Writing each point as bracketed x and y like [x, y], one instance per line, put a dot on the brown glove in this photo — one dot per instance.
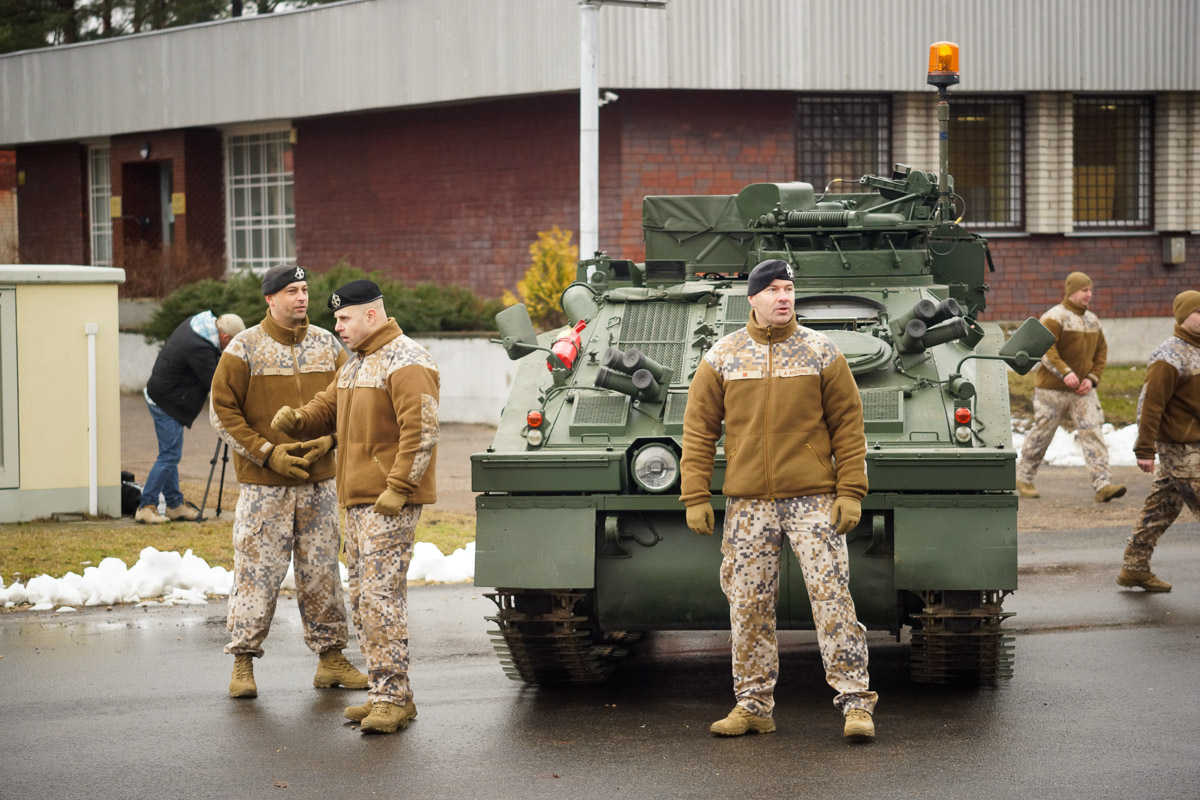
[845, 514]
[701, 519]
[289, 466]
[317, 448]
[286, 420]
[390, 503]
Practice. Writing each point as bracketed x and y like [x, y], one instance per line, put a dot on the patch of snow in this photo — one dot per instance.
[187, 579]
[1064, 449]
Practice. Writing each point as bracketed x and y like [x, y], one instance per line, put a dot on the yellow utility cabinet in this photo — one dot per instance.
[60, 412]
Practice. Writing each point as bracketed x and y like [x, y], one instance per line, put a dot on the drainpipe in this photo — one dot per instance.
[91, 329]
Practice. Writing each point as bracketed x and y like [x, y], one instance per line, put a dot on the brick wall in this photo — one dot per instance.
[1127, 271]
[8, 207]
[451, 195]
[52, 205]
[698, 142]
[455, 194]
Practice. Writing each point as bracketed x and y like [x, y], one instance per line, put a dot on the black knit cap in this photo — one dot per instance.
[354, 293]
[281, 275]
[762, 275]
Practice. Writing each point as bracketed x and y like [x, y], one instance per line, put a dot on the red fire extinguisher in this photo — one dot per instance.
[566, 347]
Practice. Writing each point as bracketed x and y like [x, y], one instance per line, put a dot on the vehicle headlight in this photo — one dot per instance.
[655, 468]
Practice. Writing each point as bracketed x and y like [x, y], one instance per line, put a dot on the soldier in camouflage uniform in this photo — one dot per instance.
[384, 408]
[1169, 424]
[286, 510]
[1065, 385]
[795, 467]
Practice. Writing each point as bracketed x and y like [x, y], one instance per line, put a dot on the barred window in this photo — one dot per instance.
[1112, 162]
[842, 137]
[262, 209]
[99, 196]
[987, 147]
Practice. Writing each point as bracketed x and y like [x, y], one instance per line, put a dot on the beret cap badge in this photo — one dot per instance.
[354, 293]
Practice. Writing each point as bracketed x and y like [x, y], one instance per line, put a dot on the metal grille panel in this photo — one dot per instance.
[599, 413]
[657, 329]
[673, 414]
[883, 411]
[1113, 167]
[842, 137]
[987, 146]
[737, 311]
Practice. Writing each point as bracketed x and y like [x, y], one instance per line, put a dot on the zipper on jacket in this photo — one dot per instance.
[767, 448]
[349, 404]
[296, 372]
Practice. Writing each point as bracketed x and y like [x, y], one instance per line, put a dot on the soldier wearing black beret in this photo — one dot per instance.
[282, 275]
[387, 449]
[795, 474]
[288, 498]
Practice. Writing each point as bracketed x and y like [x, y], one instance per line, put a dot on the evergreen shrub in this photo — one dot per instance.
[423, 308]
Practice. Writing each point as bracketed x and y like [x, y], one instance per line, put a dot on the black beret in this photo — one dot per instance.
[762, 275]
[354, 293]
[280, 276]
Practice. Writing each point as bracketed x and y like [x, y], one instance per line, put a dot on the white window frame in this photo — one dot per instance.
[99, 199]
[252, 186]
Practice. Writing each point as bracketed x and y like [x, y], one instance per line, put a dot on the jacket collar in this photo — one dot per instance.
[388, 331]
[1074, 309]
[770, 334]
[1187, 336]
[284, 335]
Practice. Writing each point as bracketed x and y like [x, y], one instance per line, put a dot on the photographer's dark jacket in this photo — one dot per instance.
[184, 369]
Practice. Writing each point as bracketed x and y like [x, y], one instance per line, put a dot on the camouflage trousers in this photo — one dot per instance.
[275, 525]
[378, 551]
[1050, 406]
[1176, 483]
[753, 552]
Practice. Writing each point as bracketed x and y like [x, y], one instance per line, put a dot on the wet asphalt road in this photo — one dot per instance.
[131, 703]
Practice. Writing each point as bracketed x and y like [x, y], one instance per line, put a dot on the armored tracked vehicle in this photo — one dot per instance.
[580, 530]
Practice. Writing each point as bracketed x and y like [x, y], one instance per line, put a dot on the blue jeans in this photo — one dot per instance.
[164, 475]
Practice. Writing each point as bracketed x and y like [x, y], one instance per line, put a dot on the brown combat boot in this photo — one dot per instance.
[148, 515]
[334, 670]
[359, 713]
[1143, 578]
[384, 718]
[1110, 492]
[242, 683]
[741, 721]
[1027, 490]
[182, 513]
[859, 726]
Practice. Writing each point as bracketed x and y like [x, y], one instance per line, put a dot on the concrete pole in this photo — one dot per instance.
[589, 130]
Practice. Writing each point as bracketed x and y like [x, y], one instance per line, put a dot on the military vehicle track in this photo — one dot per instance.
[551, 637]
[957, 639]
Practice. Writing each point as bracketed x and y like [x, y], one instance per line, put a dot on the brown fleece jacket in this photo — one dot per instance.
[384, 407]
[1169, 407]
[1079, 347]
[792, 412]
[263, 368]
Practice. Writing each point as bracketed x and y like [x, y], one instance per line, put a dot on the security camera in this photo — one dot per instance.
[608, 97]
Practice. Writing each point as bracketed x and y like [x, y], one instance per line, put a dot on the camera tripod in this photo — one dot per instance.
[223, 451]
